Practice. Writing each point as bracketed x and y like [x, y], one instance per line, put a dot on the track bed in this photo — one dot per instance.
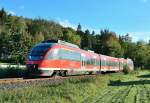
[17, 83]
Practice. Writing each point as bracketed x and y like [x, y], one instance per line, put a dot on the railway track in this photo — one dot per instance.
[7, 80]
[18, 83]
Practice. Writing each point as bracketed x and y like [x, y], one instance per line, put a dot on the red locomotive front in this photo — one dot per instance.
[38, 59]
[53, 57]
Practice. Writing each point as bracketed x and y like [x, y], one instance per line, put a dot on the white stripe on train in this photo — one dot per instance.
[74, 69]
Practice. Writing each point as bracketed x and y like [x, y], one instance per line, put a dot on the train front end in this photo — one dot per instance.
[37, 60]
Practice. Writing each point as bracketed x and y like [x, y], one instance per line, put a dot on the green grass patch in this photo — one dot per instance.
[85, 90]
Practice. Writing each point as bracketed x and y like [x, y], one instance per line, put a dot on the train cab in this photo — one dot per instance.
[52, 56]
[38, 62]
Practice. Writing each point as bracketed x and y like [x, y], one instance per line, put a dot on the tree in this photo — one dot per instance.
[126, 38]
[70, 35]
[88, 39]
[79, 28]
[3, 16]
[128, 46]
[49, 29]
[38, 38]
[141, 54]
[97, 44]
[110, 44]
[93, 32]
[149, 43]
[147, 64]
[4, 44]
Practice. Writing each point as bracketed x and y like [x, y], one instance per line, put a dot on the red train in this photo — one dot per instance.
[56, 57]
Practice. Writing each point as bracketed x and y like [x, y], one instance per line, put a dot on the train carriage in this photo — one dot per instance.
[90, 61]
[56, 57]
[114, 64]
[109, 63]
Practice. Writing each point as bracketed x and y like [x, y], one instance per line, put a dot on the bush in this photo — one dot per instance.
[12, 72]
[126, 69]
[138, 68]
[81, 80]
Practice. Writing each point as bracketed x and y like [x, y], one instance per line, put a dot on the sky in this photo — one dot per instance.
[120, 16]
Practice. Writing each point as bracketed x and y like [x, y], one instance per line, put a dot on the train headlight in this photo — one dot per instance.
[29, 57]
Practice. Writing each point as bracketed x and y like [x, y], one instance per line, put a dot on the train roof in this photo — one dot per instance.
[105, 57]
[61, 42]
[89, 52]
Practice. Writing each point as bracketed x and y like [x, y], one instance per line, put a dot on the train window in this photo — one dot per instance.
[53, 54]
[91, 61]
[38, 52]
[69, 55]
[111, 64]
[107, 63]
[95, 62]
[41, 47]
[115, 63]
[121, 64]
[87, 60]
[103, 62]
[98, 63]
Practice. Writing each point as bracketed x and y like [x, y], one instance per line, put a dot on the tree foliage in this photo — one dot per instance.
[71, 36]
[110, 44]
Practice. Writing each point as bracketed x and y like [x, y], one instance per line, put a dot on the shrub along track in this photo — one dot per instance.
[17, 83]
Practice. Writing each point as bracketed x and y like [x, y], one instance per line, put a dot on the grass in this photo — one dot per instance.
[112, 88]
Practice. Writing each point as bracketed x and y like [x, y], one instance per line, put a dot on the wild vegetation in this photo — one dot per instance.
[112, 88]
[19, 34]
[12, 72]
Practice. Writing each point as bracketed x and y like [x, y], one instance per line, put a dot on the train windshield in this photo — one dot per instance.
[38, 52]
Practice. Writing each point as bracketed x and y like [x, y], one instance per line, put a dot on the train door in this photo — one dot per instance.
[121, 64]
[95, 62]
[83, 61]
[105, 65]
